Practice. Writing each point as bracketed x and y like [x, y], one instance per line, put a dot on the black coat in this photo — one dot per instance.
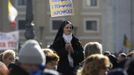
[16, 70]
[59, 47]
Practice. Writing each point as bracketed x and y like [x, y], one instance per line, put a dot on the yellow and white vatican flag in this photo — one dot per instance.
[61, 8]
[126, 42]
[12, 14]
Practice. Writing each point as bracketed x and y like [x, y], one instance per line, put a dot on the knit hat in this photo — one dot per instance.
[31, 53]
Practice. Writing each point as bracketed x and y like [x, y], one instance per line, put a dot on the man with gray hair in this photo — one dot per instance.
[92, 48]
[89, 49]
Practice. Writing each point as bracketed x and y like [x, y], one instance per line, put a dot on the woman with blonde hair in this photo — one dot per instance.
[8, 57]
[96, 64]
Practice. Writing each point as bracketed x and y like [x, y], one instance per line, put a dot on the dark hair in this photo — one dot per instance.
[117, 71]
[130, 69]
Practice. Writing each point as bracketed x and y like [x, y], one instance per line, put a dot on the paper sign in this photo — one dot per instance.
[61, 7]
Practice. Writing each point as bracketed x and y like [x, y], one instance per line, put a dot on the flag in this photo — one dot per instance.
[126, 42]
[12, 14]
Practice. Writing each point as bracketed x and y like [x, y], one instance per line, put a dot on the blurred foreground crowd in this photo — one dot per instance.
[34, 60]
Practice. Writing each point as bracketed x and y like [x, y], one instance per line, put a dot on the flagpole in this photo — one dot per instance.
[29, 31]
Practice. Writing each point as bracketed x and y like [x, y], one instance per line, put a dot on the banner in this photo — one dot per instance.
[9, 40]
[61, 8]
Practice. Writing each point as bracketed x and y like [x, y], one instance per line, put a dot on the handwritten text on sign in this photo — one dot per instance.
[61, 8]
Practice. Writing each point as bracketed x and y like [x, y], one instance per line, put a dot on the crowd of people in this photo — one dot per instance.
[65, 56]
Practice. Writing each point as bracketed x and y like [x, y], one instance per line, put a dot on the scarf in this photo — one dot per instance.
[67, 39]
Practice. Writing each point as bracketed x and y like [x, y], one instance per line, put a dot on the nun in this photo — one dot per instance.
[68, 48]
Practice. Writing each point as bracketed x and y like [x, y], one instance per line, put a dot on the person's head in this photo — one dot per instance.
[130, 54]
[96, 64]
[65, 27]
[107, 53]
[31, 56]
[121, 57]
[3, 69]
[92, 48]
[8, 57]
[52, 58]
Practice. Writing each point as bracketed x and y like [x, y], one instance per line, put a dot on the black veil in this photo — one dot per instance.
[61, 29]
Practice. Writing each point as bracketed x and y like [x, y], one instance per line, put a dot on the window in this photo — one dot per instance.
[22, 2]
[90, 3]
[91, 24]
[93, 2]
[21, 24]
[56, 24]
